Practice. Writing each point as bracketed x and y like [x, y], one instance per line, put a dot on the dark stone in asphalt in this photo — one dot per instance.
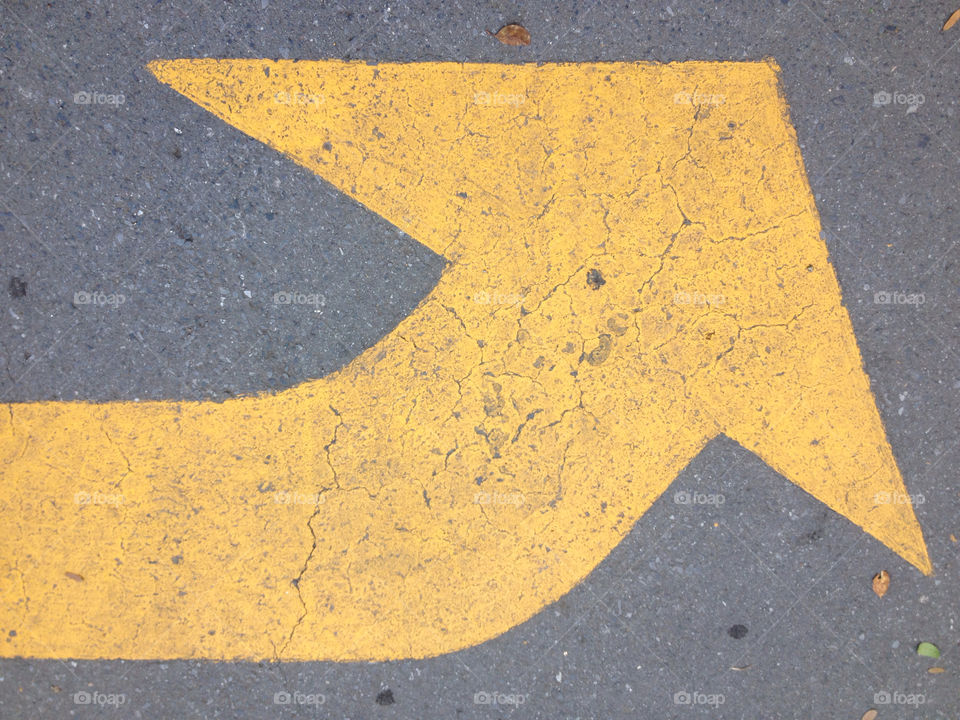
[17, 287]
[737, 631]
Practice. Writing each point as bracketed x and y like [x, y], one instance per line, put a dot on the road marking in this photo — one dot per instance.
[635, 268]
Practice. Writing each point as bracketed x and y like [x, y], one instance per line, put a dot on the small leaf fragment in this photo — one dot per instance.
[952, 20]
[929, 650]
[869, 715]
[513, 35]
[881, 583]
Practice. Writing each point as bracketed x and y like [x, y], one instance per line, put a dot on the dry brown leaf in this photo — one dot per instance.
[935, 670]
[870, 715]
[952, 20]
[881, 583]
[512, 35]
[74, 576]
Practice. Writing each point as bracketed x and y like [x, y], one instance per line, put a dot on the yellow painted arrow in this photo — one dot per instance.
[635, 267]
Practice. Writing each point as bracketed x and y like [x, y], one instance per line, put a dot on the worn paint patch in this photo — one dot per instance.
[635, 268]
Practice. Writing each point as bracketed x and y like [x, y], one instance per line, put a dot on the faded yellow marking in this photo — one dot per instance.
[487, 454]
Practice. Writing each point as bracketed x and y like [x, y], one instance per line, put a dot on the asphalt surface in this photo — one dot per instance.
[134, 192]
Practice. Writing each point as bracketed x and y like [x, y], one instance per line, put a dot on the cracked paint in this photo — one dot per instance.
[484, 457]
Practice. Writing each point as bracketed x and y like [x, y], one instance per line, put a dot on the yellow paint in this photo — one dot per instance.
[487, 454]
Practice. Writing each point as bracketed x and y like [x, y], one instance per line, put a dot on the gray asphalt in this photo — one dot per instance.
[197, 225]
